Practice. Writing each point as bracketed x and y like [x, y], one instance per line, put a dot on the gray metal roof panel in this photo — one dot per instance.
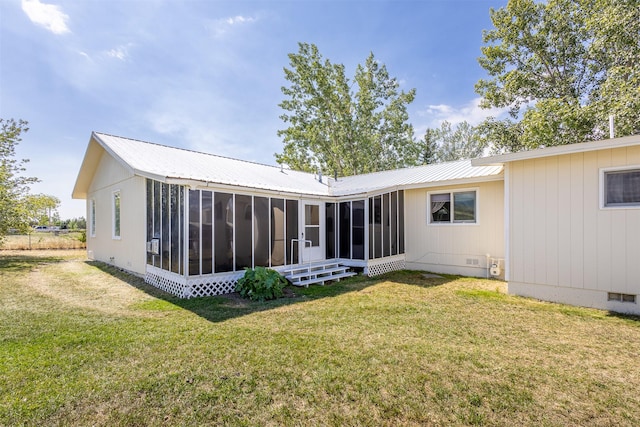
[434, 174]
[156, 160]
[169, 162]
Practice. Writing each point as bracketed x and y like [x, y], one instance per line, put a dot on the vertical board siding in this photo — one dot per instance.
[590, 202]
[517, 228]
[576, 219]
[632, 251]
[541, 230]
[564, 221]
[552, 219]
[618, 259]
[632, 247]
[560, 236]
[528, 222]
[603, 224]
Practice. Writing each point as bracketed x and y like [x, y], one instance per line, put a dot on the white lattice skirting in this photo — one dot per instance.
[224, 283]
[384, 265]
[199, 286]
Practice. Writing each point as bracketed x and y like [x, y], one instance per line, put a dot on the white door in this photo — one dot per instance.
[312, 235]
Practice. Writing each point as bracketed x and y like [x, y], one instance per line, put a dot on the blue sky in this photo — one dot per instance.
[206, 75]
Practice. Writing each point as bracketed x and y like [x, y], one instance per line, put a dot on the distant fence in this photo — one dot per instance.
[46, 239]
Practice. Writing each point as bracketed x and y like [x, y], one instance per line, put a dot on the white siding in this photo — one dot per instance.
[452, 248]
[564, 246]
[129, 251]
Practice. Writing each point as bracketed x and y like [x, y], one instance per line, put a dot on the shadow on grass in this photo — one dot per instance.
[625, 317]
[223, 307]
[25, 262]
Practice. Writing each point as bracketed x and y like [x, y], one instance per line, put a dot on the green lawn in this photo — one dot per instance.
[84, 344]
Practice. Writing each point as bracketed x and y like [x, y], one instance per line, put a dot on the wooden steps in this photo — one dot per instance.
[316, 272]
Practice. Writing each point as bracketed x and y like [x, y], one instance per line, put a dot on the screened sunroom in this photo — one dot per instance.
[200, 241]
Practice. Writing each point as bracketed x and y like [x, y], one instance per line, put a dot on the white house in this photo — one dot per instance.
[190, 223]
[560, 224]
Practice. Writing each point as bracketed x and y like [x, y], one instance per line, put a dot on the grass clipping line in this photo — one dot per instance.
[83, 343]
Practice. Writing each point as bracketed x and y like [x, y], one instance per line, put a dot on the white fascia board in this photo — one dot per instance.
[559, 150]
[431, 184]
[239, 189]
[152, 176]
[461, 181]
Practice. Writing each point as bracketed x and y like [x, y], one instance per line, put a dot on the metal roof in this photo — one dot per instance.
[170, 164]
[438, 174]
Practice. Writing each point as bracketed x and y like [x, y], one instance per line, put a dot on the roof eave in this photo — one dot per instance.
[95, 149]
[431, 184]
[201, 184]
[559, 150]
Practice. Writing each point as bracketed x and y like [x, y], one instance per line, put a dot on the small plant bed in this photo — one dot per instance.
[261, 284]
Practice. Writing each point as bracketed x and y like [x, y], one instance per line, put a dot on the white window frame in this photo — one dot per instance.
[92, 218]
[602, 189]
[476, 190]
[113, 215]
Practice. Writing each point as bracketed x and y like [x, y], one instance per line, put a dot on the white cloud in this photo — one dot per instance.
[470, 112]
[193, 123]
[49, 16]
[120, 52]
[239, 20]
[222, 26]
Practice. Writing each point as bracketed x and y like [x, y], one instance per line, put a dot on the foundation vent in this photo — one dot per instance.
[616, 296]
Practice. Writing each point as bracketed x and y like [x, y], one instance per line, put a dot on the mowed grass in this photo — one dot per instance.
[43, 240]
[84, 344]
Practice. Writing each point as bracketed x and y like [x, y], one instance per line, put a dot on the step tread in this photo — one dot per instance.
[317, 267]
[323, 279]
[317, 272]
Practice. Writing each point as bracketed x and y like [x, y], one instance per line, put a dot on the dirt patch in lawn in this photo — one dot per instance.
[66, 279]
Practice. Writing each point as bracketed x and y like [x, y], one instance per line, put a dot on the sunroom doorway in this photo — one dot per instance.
[312, 231]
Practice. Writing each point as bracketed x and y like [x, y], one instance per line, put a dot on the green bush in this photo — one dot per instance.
[261, 284]
[83, 236]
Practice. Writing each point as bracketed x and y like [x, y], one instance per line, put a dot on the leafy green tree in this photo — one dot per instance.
[74, 223]
[430, 146]
[448, 143]
[617, 45]
[339, 127]
[39, 209]
[13, 186]
[561, 67]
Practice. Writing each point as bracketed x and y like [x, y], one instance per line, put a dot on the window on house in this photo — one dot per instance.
[452, 207]
[92, 218]
[116, 214]
[622, 188]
